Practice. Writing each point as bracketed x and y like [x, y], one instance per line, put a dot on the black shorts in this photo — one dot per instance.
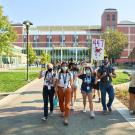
[132, 90]
[96, 86]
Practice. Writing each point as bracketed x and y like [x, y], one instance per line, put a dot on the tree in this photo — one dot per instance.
[132, 54]
[7, 34]
[45, 58]
[115, 42]
[32, 54]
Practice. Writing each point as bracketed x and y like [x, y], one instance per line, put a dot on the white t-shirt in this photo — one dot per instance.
[48, 79]
[132, 82]
[64, 79]
[75, 80]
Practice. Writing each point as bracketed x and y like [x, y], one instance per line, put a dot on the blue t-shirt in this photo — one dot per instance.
[87, 82]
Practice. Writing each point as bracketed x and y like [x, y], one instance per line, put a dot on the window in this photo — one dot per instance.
[49, 40]
[108, 17]
[36, 38]
[24, 38]
[113, 17]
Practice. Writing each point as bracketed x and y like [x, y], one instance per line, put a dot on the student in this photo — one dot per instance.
[132, 94]
[96, 86]
[105, 73]
[86, 88]
[74, 71]
[48, 89]
[64, 83]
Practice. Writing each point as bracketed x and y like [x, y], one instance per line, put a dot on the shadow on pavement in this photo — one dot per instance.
[79, 124]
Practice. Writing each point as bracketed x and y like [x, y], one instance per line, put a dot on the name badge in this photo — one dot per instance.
[88, 88]
[49, 87]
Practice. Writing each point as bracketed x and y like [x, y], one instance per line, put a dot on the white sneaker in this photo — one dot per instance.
[92, 115]
[44, 118]
[51, 114]
[84, 110]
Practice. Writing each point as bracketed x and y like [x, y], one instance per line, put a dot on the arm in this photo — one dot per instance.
[113, 74]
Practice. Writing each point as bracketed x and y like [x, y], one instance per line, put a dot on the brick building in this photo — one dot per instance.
[64, 42]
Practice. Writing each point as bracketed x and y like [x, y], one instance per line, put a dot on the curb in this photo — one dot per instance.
[124, 111]
[13, 95]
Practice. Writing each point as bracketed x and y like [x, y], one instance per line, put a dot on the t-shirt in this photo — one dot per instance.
[64, 79]
[87, 81]
[48, 76]
[75, 79]
[108, 70]
[132, 82]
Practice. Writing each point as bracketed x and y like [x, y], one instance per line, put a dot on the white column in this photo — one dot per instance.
[76, 54]
[61, 55]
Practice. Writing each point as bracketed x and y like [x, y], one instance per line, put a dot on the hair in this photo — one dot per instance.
[105, 57]
[90, 70]
[61, 71]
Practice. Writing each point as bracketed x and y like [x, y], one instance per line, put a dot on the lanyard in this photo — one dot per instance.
[64, 78]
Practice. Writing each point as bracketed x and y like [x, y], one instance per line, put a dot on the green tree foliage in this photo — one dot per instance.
[45, 58]
[132, 54]
[7, 34]
[115, 42]
[32, 54]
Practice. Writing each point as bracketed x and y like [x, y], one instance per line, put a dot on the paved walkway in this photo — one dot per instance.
[20, 114]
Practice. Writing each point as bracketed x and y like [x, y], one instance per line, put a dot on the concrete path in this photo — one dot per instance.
[21, 112]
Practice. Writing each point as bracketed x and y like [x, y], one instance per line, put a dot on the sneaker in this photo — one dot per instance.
[44, 118]
[92, 115]
[72, 108]
[62, 114]
[51, 114]
[109, 109]
[105, 112]
[93, 96]
[65, 122]
[84, 110]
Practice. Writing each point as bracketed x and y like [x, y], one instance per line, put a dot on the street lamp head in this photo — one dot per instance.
[27, 23]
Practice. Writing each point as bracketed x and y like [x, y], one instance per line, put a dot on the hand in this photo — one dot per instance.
[104, 74]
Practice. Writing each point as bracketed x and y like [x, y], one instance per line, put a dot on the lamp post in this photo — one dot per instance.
[27, 25]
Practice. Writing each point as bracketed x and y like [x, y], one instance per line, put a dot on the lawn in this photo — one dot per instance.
[121, 78]
[11, 81]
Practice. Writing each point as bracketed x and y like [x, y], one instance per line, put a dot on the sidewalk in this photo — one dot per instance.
[21, 115]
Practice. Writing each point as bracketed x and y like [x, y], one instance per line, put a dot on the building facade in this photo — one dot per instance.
[65, 42]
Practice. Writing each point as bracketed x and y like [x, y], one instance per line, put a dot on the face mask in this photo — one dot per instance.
[50, 69]
[64, 68]
[87, 71]
[105, 62]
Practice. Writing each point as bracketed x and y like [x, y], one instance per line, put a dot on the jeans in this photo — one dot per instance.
[106, 88]
[48, 94]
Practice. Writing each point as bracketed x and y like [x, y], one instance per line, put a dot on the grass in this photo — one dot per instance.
[121, 78]
[11, 81]
[30, 68]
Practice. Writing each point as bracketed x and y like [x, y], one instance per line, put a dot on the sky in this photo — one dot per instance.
[65, 12]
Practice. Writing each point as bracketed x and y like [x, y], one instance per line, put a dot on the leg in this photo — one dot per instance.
[45, 98]
[110, 91]
[51, 96]
[131, 101]
[90, 101]
[103, 96]
[67, 101]
[75, 89]
[61, 99]
[84, 100]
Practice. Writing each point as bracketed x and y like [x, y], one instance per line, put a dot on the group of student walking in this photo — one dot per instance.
[64, 83]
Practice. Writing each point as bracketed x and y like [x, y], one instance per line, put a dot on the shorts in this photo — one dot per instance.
[86, 91]
[131, 90]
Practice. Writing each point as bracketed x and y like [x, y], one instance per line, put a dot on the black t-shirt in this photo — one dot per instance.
[87, 81]
[108, 70]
